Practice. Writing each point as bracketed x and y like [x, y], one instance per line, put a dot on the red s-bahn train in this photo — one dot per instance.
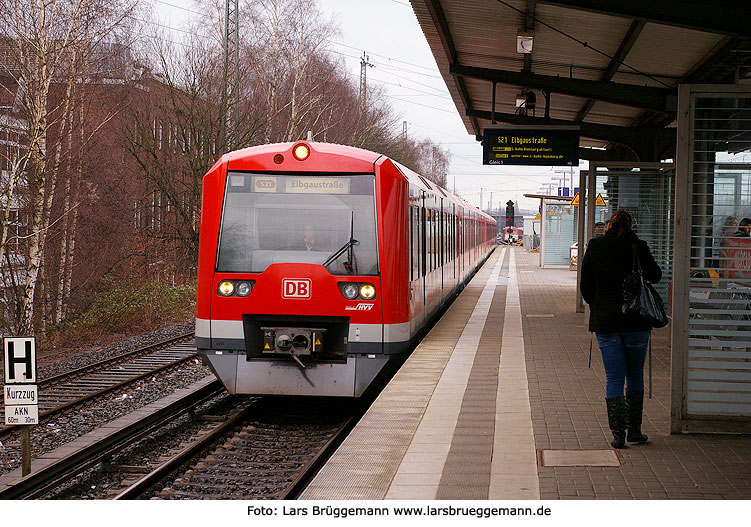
[320, 265]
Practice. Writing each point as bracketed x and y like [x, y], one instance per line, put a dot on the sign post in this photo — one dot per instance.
[20, 391]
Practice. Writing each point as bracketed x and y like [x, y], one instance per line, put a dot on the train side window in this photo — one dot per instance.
[449, 234]
[453, 237]
[443, 238]
[437, 231]
[429, 228]
[423, 241]
[428, 242]
[444, 229]
[416, 238]
[434, 240]
[455, 234]
[411, 244]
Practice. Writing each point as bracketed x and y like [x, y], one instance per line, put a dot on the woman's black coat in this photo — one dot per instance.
[606, 263]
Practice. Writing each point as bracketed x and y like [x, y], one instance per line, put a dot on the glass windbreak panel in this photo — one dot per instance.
[320, 219]
[648, 195]
[559, 232]
[719, 318]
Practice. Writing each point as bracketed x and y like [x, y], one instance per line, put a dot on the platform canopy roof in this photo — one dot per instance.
[610, 66]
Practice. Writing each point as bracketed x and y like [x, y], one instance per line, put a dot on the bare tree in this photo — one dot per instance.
[433, 161]
[174, 135]
[284, 43]
[51, 44]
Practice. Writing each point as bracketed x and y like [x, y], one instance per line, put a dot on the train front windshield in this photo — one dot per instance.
[327, 220]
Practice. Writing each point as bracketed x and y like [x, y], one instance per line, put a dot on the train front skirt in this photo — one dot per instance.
[286, 377]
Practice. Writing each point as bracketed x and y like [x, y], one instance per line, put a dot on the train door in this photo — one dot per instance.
[454, 239]
[465, 245]
[418, 269]
[460, 243]
[432, 293]
[423, 251]
[442, 246]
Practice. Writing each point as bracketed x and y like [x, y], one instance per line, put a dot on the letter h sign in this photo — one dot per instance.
[20, 360]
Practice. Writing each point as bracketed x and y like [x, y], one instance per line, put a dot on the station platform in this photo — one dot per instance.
[497, 402]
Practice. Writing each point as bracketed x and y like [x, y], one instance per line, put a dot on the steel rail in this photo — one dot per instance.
[166, 469]
[6, 430]
[314, 464]
[106, 362]
[46, 479]
[303, 474]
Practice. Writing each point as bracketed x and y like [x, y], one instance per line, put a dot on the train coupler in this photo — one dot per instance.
[295, 342]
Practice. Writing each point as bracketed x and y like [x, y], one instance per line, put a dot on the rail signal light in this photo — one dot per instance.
[509, 213]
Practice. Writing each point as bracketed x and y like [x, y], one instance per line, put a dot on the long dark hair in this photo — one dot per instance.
[620, 222]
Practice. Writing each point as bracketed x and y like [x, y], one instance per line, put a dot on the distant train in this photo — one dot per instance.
[320, 265]
[511, 234]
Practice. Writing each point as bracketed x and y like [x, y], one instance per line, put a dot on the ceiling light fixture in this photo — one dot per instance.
[525, 41]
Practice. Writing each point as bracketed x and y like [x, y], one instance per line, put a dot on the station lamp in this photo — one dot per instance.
[524, 41]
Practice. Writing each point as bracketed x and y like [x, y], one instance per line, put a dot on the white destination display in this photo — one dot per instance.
[317, 185]
[22, 415]
[20, 394]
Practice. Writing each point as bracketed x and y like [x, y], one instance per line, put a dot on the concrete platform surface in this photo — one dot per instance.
[497, 402]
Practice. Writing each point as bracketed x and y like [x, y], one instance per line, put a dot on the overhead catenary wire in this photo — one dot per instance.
[390, 65]
[182, 8]
[431, 69]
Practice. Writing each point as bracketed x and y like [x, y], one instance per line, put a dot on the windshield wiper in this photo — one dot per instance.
[346, 247]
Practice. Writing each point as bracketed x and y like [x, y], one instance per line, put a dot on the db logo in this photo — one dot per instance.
[296, 288]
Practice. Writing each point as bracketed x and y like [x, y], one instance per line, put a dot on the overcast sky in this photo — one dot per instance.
[387, 30]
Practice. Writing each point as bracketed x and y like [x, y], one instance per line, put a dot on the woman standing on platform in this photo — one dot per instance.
[622, 338]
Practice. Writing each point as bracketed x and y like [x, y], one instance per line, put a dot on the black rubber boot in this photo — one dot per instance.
[635, 403]
[617, 419]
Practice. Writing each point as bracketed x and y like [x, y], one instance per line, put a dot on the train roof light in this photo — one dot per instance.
[301, 152]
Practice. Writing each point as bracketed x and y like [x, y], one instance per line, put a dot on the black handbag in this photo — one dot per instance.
[640, 297]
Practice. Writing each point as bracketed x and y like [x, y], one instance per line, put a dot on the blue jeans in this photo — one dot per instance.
[623, 355]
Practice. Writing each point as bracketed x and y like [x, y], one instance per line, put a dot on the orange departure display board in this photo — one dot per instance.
[531, 145]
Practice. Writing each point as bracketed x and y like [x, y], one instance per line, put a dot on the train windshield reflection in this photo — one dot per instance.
[298, 219]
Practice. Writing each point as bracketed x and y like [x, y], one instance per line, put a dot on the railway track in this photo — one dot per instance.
[60, 473]
[234, 447]
[66, 390]
[271, 455]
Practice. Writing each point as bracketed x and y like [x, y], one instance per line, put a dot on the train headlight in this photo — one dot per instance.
[367, 291]
[301, 152]
[226, 288]
[349, 291]
[243, 288]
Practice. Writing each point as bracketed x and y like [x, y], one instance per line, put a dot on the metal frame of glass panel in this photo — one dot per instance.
[711, 330]
[587, 221]
[564, 201]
